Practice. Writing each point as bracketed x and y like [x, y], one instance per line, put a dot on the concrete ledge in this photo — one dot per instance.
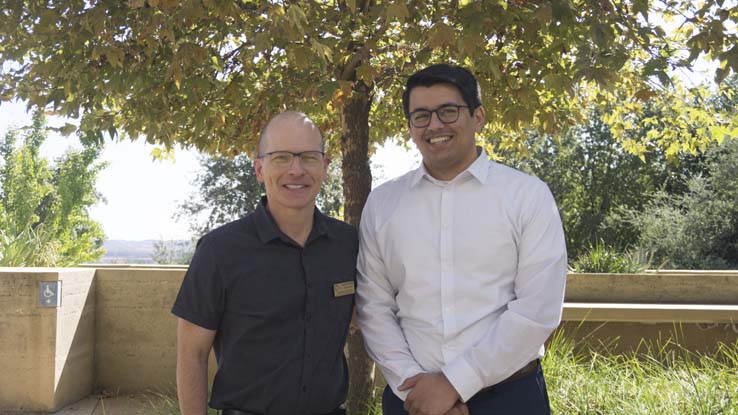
[657, 287]
[651, 313]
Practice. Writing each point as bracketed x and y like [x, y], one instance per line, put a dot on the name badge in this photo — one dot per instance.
[343, 288]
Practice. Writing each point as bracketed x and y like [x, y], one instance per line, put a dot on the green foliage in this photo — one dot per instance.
[173, 252]
[43, 207]
[209, 74]
[698, 229]
[600, 258]
[27, 247]
[228, 190]
[590, 174]
[662, 379]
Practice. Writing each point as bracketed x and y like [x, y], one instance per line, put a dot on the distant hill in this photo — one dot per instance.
[140, 252]
[128, 252]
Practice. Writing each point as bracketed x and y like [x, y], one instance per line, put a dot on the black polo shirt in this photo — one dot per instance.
[281, 319]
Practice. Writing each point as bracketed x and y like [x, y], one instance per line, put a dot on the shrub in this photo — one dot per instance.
[604, 259]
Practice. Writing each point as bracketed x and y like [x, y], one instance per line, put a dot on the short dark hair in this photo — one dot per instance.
[443, 73]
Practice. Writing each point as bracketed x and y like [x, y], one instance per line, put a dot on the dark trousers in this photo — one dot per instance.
[526, 396]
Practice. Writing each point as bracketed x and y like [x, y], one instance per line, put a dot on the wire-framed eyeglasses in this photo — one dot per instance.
[285, 158]
[446, 114]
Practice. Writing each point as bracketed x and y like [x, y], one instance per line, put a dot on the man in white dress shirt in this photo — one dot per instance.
[462, 266]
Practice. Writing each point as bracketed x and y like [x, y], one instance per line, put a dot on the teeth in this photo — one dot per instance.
[295, 186]
[439, 139]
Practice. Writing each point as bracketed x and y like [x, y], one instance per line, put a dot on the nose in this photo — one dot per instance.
[435, 121]
[296, 167]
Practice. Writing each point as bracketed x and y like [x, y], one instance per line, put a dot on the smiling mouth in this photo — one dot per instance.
[295, 186]
[439, 139]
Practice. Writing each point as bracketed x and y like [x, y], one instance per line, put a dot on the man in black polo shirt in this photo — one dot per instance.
[272, 293]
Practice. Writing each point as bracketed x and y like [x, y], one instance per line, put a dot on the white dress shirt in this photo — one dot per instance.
[464, 276]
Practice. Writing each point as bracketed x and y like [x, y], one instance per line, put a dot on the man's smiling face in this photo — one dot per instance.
[447, 149]
[293, 186]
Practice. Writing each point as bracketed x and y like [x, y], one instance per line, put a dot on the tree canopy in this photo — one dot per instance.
[209, 73]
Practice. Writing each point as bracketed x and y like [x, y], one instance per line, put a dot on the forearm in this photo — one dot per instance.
[192, 385]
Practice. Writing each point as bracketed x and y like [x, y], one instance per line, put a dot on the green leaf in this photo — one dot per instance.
[67, 129]
[366, 73]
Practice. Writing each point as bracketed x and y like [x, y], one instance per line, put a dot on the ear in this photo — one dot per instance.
[326, 162]
[258, 166]
[479, 118]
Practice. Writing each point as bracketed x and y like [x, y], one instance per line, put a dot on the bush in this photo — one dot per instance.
[698, 229]
[604, 259]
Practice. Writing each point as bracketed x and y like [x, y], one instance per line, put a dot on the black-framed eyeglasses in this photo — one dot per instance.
[446, 114]
[285, 158]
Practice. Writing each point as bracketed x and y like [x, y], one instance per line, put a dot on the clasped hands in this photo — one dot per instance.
[432, 394]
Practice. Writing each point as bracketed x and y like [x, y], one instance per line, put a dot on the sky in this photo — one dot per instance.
[142, 194]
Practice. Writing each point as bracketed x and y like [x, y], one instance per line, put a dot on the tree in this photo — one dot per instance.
[209, 73]
[43, 208]
[592, 177]
[698, 229]
[228, 190]
[173, 252]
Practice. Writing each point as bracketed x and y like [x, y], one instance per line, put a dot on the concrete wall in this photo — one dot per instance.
[46, 354]
[707, 317]
[136, 333]
[114, 330]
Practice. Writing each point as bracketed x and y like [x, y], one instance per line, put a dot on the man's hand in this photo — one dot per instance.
[431, 394]
[459, 408]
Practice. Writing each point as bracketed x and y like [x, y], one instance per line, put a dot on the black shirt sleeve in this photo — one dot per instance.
[201, 296]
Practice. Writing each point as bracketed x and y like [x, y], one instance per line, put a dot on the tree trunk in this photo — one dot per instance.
[357, 182]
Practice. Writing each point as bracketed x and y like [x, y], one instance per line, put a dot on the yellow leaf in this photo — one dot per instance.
[177, 75]
[337, 98]
[441, 35]
[158, 153]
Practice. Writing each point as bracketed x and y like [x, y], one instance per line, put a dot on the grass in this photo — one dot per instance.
[661, 379]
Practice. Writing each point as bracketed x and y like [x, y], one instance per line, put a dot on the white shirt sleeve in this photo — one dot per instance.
[516, 337]
[377, 311]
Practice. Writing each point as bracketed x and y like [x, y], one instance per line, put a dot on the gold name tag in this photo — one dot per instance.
[343, 288]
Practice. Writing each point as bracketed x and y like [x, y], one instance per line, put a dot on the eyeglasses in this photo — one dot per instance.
[446, 114]
[285, 158]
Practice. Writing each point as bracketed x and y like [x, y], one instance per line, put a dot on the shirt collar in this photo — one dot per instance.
[268, 230]
[478, 169]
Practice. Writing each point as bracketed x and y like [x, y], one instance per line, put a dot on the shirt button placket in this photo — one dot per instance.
[309, 327]
[446, 254]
